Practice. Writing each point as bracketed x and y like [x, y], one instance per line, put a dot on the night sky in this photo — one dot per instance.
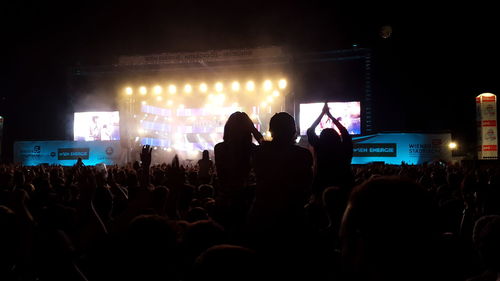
[427, 73]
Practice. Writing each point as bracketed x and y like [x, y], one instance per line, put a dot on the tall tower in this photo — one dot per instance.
[487, 137]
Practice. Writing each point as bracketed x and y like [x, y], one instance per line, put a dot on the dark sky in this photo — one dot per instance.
[437, 60]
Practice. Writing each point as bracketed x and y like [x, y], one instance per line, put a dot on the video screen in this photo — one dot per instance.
[96, 126]
[348, 113]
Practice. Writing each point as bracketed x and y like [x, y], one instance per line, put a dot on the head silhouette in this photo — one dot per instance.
[282, 128]
[205, 155]
[236, 128]
[388, 220]
[329, 137]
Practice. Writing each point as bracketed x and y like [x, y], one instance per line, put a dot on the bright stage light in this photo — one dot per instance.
[219, 87]
[169, 149]
[172, 89]
[235, 86]
[144, 102]
[452, 145]
[170, 102]
[282, 83]
[159, 98]
[263, 104]
[143, 90]
[141, 131]
[181, 106]
[269, 99]
[188, 88]
[157, 90]
[129, 91]
[276, 93]
[250, 86]
[268, 85]
[203, 88]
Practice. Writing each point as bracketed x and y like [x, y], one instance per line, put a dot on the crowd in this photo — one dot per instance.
[272, 210]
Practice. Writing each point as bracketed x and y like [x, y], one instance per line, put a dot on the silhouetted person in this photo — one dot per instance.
[277, 219]
[233, 165]
[284, 174]
[232, 156]
[333, 155]
[151, 246]
[388, 232]
[205, 166]
[486, 239]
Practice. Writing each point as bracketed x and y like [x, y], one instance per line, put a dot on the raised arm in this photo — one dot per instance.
[346, 137]
[145, 164]
[255, 133]
[311, 134]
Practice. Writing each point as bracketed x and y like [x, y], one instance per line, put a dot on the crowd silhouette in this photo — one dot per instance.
[261, 209]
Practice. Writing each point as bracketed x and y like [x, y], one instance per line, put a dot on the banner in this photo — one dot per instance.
[205, 56]
[486, 115]
[66, 153]
[398, 148]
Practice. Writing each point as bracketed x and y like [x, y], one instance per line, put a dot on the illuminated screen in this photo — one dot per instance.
[187, 129]
[96, 126]
[348, 113]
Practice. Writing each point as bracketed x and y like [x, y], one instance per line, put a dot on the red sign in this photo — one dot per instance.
[489, 123]
[490, 148]
[489, 99]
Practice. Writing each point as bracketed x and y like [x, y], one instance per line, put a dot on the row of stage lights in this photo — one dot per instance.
[250, 86]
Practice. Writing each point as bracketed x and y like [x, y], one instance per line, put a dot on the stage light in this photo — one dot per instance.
[181, 106]
[268, 85]
[282, 83]
[276, 93]
[157, 90]
[263, 104]
[170, 102]
[269, 99]
[203, 88]
[141, 131]
[250, 86]
[188, 88]
[452, 145]
[143, 90]
[159, 98]
[144, 102]
[129, 91]
[172, 89]
[169, 149]
[235, 86]
[219, 87]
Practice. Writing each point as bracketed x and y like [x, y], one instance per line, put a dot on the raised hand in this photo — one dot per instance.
[326, 109]
[146, 155]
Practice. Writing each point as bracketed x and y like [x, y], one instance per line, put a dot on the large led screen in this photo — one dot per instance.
[96, 126]
[348, 113]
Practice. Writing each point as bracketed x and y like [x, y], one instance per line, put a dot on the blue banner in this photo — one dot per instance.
[66, 153]
[396, 148]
